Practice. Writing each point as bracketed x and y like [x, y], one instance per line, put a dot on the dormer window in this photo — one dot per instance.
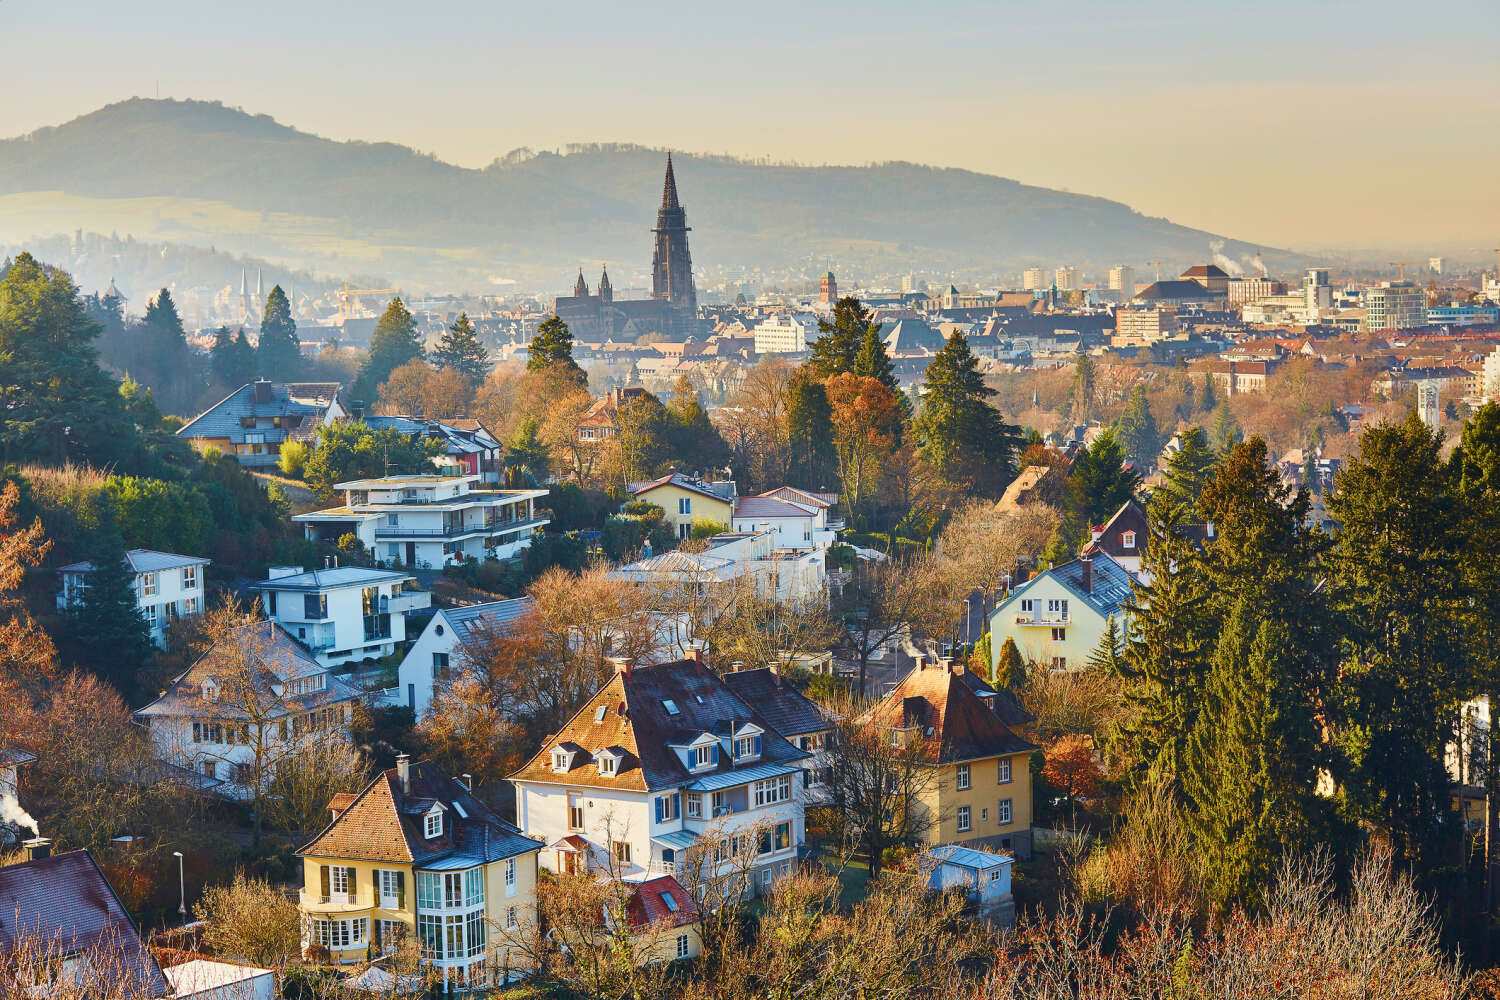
[608, 766]
[210, 690]
[562, 760]
[432, 822]
[1127, 540]
[705, 756]
[747, 747]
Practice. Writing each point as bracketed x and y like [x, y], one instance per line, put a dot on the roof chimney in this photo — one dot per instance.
[262, 390]
[468, 780]
[775, 669]
[621, 664]
[1086, 563]
[37, 848]
[403, 772]
[695, 653]
[920, 660]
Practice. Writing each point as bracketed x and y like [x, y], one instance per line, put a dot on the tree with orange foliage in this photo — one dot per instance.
[1070, 766]
[866, 420]
[26, 652]
[419, 390]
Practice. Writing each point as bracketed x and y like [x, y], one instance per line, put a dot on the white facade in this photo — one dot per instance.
[1036, 279]
[1056, 619]
[437, 650]
[344, 613]
[793, 526]
[1068, 279]
[789, 334]
[430, 521]
[1428, 409]
[1122, 279]
[167, 587]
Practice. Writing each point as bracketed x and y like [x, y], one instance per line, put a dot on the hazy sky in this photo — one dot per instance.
[1301, 124]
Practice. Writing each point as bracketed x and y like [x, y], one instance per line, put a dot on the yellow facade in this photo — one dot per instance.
[669, 497]
[661, 944]
[942, 802]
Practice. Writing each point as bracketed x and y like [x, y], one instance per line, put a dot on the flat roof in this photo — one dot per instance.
[336, 576]
[401, 482]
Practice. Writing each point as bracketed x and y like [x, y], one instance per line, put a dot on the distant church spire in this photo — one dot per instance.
[671, 265]
[669, 189]
[606, 291]
[581, 288]
[260, 284]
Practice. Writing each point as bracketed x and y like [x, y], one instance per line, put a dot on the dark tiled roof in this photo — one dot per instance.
[1190, 290]
[636, 720]
[956, 726]
[384, 823]
[795, 495]
[67, 905]
[784, 708]
[680, 481]
[769, 507]
[143, 561]
[307, 400]
[1111, 583]
[495, 615]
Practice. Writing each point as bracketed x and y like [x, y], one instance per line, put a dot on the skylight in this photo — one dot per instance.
[460, 810]
[669, 901]
[699, 697]
[670, 706]
[599, 713]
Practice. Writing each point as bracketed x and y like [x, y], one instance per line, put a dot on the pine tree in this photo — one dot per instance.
[1137, 430]
[168, 363]
[812, 464]
[1106, 656]
[553, 345]
[837, 349]
[460, 349]
[393, 344]
[1010, 667]
[278, 354]
[1209, 400]
[1226, 431]
[1081, 399]
[695, 441]
[114, 638]
[1187, 472]
[962, 436]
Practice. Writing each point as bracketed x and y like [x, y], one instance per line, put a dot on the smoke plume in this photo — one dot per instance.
[11, 812]
[1230, 267]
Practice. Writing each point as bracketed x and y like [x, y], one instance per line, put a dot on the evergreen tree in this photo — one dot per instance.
[393, 344]
[1081, 397]
[1137, 430]
[1106, 656]
[278, 353]
[873, 362]
[168, 363]
[837, 349]
[812, 464]
[460, 349]
[644, 433]
[553, 345]
[527, 453]
[1187, 472]
[962, 436]
[113, 637]
[1226, 431]
[1209, 400]
[1010, 668]
[231, 359]
[695, 441]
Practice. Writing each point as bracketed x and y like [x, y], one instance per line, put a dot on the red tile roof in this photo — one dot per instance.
[648, 907]
[956, 725]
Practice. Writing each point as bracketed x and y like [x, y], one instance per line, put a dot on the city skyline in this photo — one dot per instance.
[1192, 115]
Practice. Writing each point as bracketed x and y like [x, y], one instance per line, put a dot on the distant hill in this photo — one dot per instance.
[199, 171]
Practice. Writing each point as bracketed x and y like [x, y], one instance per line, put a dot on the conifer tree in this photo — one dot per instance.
[1081, 398]
[812, 464]
[1137, 430]
[393, 344]
[168, 364]
[460, 349]
[1226, 431]
[553, 345]
[1105, 657]
[962, 436]
[1010, 667]
[1208, 401]
[837, 349]
[113, 636]
[1187, 472]
[278, 353]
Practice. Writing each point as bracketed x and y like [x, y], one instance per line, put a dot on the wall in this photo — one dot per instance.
[1083, 629]
[942, 798]
[666, 497]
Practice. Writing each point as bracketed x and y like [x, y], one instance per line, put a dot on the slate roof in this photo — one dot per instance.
[329, 579]
[679, 480]
[278, 658]
[494, 616]
[636, 721]
[385, 823]
[1187, 290]
[66, 902]
[143, 561]
[769, 507]
[307, 400]
[15, 757]
[913, 335]
[955, 724]
[788, 711]
[1112, 583]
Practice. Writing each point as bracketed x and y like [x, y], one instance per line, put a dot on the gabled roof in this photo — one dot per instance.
[1205, 271]
[804, 497]
[998, 700]
[636, 720]
[143, 561]
[334, 578]
[784, 708]
[770, 507]
[954, 723]
[493, 616]
[1183, 289]
[1111, 583]
[913, 336]
[385, 823]
[296, 399]
[15, 757]
[681, 482]
[647, 906]
[68, 906]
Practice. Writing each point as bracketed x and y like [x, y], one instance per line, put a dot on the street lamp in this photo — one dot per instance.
[181, 887]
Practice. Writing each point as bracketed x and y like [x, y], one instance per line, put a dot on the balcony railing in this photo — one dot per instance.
[450, 532]
[400, 603]
[350, 900]
[1035, 619]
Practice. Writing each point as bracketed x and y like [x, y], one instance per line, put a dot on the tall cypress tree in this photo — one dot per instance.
[962, 436]
[393, 344]
[278, 354]
[460, 349]
[114, 639]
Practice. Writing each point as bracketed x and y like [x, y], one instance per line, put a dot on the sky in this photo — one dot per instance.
[1306, 125]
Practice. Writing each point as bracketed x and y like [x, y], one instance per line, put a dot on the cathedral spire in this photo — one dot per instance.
[669, 189]
[580, 287]
[606, 291]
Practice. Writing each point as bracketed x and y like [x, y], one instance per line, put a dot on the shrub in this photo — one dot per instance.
[294, 455]
[707, 527]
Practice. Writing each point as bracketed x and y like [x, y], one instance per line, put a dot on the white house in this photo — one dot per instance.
[788, 574]
[167, 587]
[430, 521]
[660, 758]
[436, 650]
[342, 613]
[243, 705]
[798, 526]
[1058, 616]
[788, 334]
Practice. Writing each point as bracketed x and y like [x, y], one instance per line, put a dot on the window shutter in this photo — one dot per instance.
[378, 928]
[676, 805]
[401, 890]
[375, 884]
[323, 873]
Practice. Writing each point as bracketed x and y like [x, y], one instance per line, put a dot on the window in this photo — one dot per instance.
[575, 812]
[705, 756]
[772, 791]
[747, 746]
[963, 819]
[391, 520]
[963, 776]
[561, 760]
[510, 918]
[667, 808]
[684, 530]
[392, 889]
[1002, 770]
[148, 584]
[430, 934]
[510, 876]
[439, 665]
[209, 769]
[474, 887]
[1058, 606]
[433, 824]
[682, 946]
[1127, 540]
[1059, 663]
[694, 805]
[984, 815]
[340, 934]
[608, 765]
[389, 934]
[684, 505]
[810, 743]
[1003, 813]
[150, 612]
[190, 578]
[995, 874]
[1059, 635]
[474, 933]
[620, 851]
[429, 891]
[271, 603]
[190, 606]
[599, 713]
[670, 706]
[1027, 605]
[314, 606]
[339, 878]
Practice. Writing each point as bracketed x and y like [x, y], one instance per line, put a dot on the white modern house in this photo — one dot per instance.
[430, 521]
[1058, 616]
[663, 765]
[244, 705]
[797, 526]
[342, 613]
[437, 651]
[167, 587]
[794, 575]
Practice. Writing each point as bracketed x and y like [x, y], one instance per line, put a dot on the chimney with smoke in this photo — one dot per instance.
[11, 812]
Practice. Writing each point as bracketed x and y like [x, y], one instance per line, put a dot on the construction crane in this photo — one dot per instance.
[1157, 263]
[347, 294]
[1397, 263]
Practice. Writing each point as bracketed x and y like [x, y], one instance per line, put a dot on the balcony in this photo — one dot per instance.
[453, 532]
[1035, 619]
[312, 902]
[398, 604]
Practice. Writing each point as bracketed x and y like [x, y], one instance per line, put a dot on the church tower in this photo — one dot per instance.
[580, 287]
[606, 291]
[671, 266]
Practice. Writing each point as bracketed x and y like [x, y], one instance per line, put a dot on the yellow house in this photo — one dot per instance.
[415, 855]
[687, 499]
[979, 790]
[663, 921]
